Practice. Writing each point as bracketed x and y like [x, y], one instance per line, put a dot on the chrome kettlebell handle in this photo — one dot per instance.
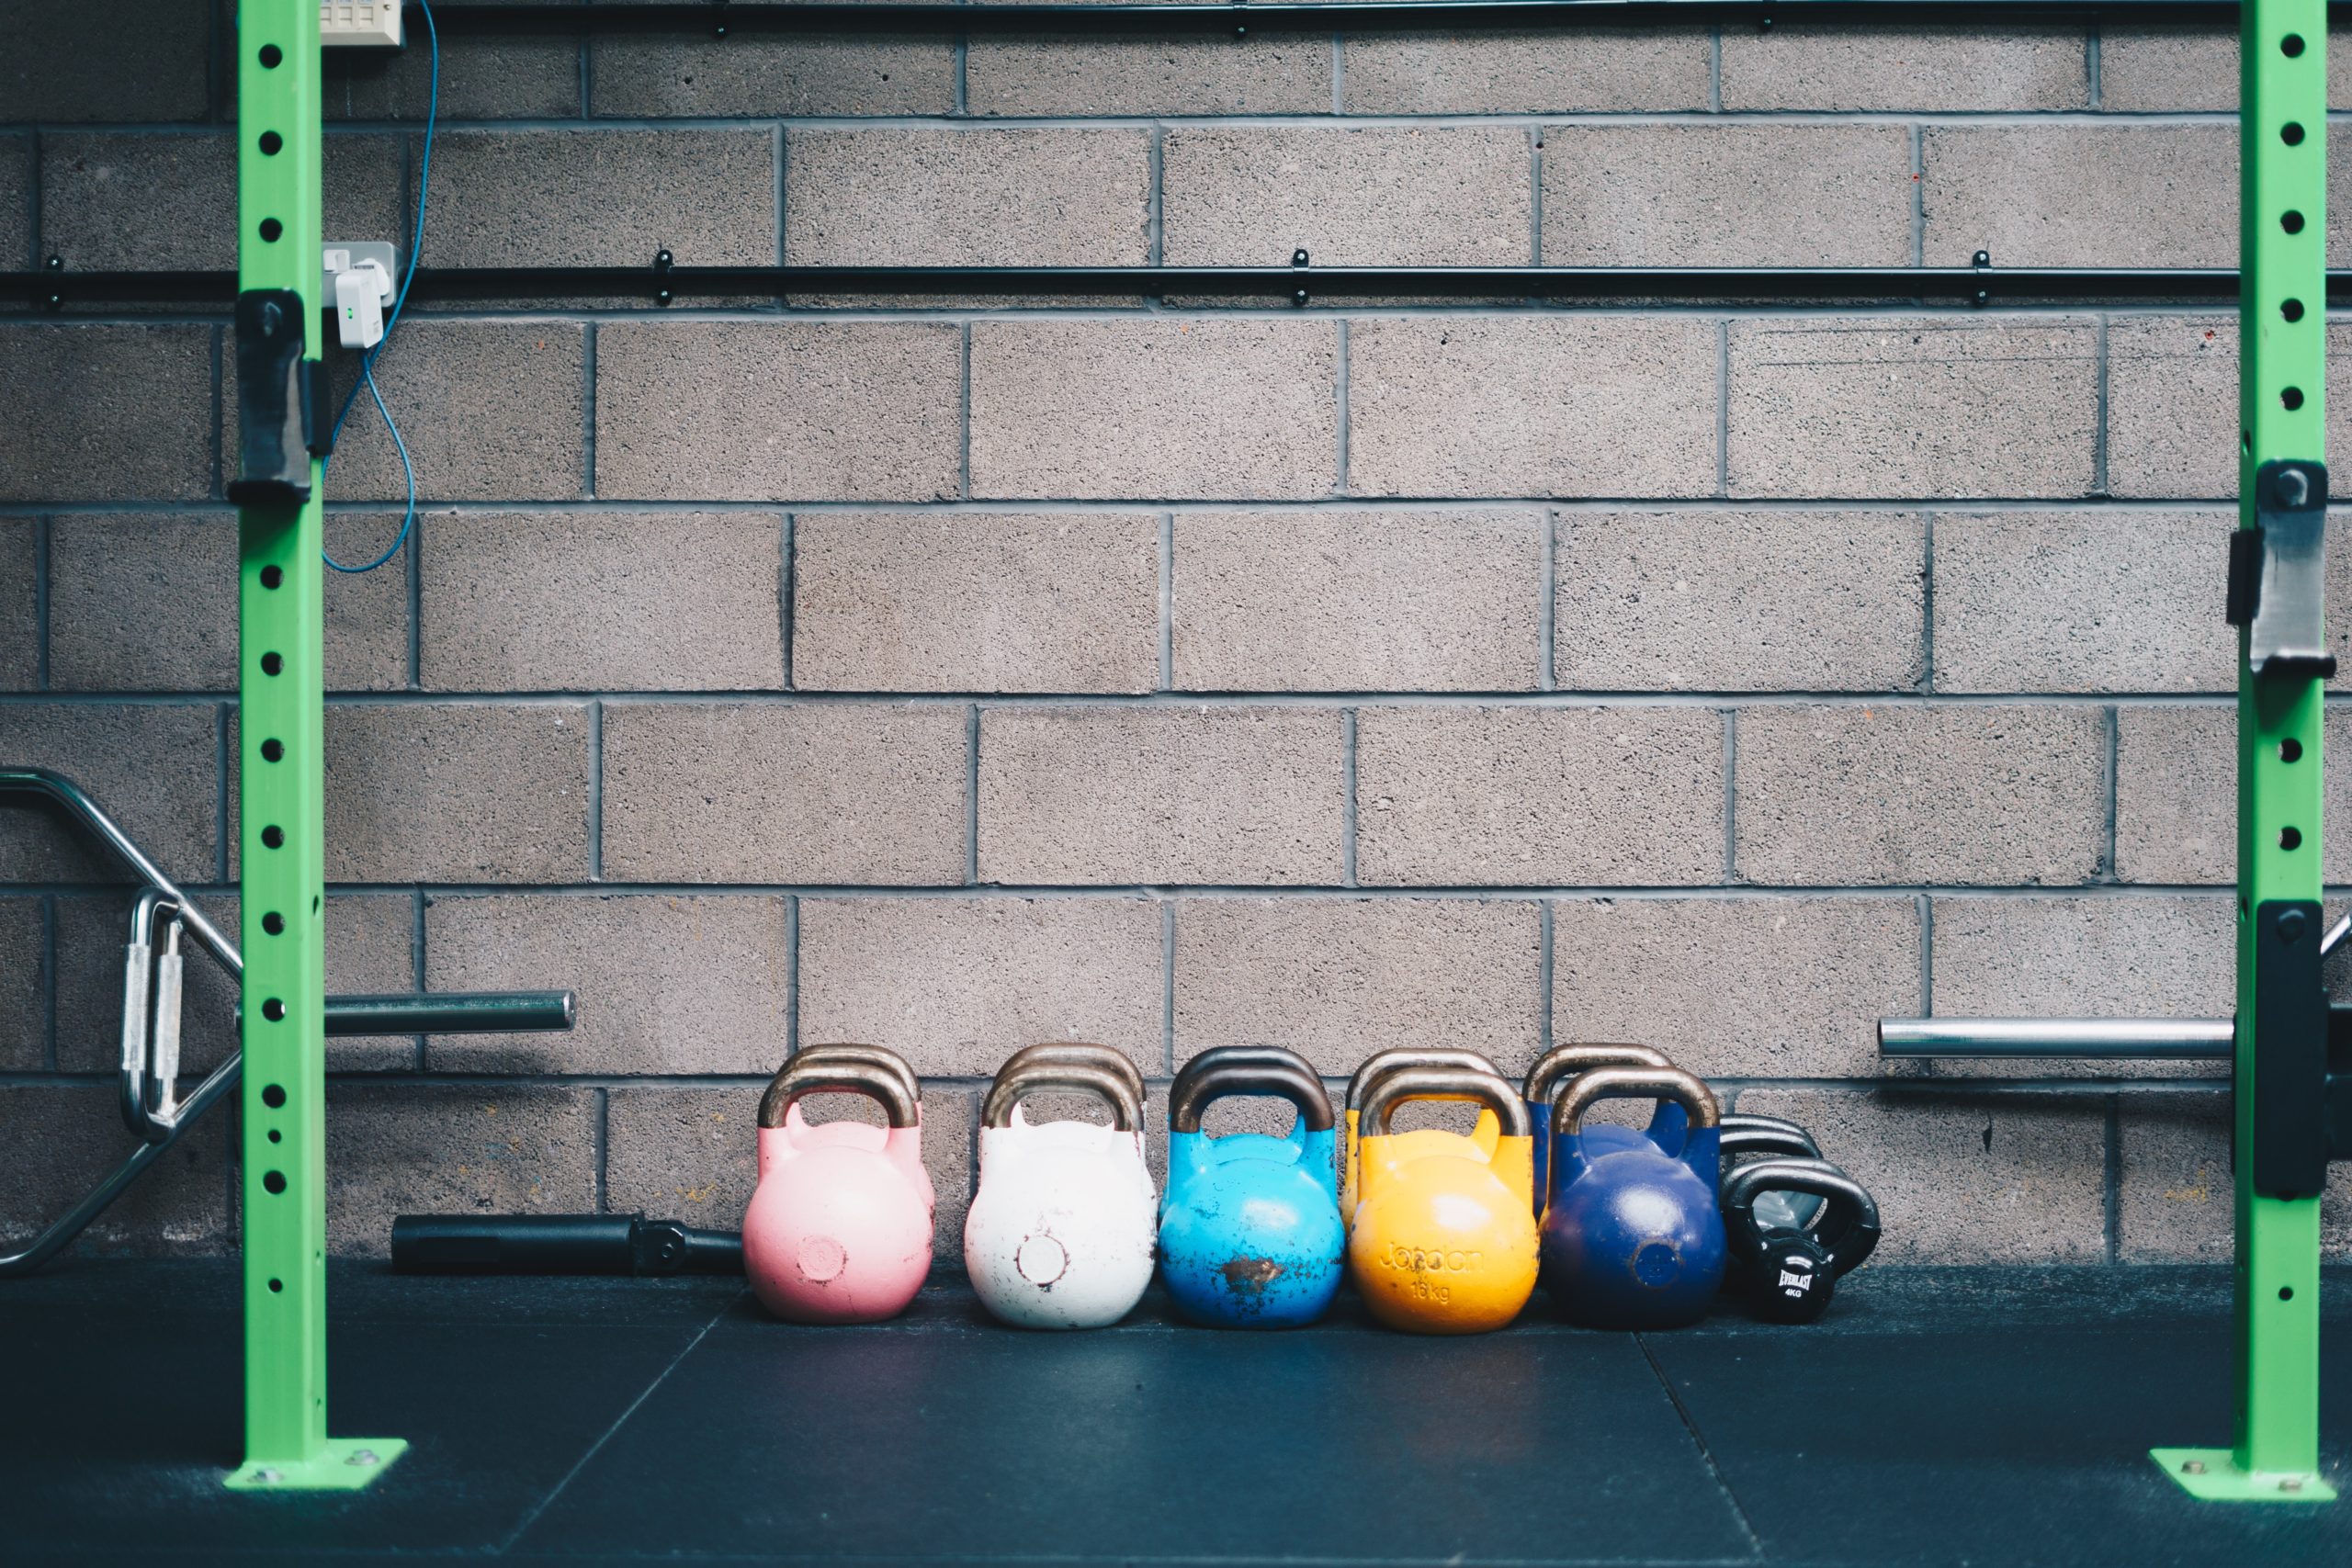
[1382, 1062]
[1015, 1083]
[1292, 1079]
[1488, 1088]
[1565, 1062]
[1849, 1229]
[879, 1055]
[1686, 1089]
[801, 1078]
[1071, 1052]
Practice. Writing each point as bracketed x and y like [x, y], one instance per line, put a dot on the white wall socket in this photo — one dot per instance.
[342, 256]
[359, 24]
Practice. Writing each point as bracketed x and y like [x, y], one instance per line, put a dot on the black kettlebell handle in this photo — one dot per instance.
[1563, 1063]
[803, 1076]
[1745, 1133]
[1488, 1088]
[1292, 1080]
[1380, 1064]
[1016, 1082]
[1849, 1230]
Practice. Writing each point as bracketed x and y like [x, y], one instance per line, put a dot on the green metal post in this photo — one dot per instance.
[281, 830]
[2282, 228]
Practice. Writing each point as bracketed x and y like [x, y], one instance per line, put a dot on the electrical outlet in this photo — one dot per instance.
[342, 256]
[359, 24]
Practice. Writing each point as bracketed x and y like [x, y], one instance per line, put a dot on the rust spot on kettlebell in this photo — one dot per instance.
[1250, 1276]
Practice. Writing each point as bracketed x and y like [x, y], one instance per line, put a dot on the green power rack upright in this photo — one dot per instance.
[280, 796]
[2281, 1050]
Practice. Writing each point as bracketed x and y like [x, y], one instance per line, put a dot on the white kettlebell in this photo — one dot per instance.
[1061, 1233]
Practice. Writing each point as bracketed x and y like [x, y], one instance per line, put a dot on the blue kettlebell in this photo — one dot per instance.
[1667, 1124]
[1558, 1067]
[1634, 1237]
[1249, 1230]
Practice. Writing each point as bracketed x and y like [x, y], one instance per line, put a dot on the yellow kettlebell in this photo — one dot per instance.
[1376, 1067]
[1445, 1236]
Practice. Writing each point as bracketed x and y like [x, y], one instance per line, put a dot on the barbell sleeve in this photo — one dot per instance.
[2123, 1039]
[452, 1012]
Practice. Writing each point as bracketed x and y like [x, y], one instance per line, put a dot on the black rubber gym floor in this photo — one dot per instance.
[1938, 1416]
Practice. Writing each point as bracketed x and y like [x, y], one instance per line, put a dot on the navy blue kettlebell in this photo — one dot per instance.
[1249, 1230]
[1788, 1273]
[1633, 1235]
[1558, 1068]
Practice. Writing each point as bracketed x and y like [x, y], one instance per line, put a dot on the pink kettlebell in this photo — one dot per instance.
[839, 1229]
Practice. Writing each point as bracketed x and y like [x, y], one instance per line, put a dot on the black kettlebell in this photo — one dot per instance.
[1788, 1273]
[1747, 1135]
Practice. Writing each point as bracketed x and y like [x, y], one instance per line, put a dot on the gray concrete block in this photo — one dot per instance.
[1840, 65]
[130, 60]
[976, 602]
[1996, 1179]
[129, 607]
[2080, 602]
[58, 1141]
[17, 177]
[1529, 796]
[487, 1149]
[517, 76]
[903, 198]
[20, 619]
[491, 410]
[2173, 404]
[1160, 795]
[125, 412]
[776, 410]
[1979, 793]
[692, 1155]
[957, 985]
[762, 75]
[151, 767]
[547, 197]
[615, 601]
[442, 792]
[1386, 196]
[1920, 408]
[2175, 1194]
[369, 952]
[2153, 67]
[2081, 195]
[23, 985]
[837, 793]
[1737, 987]
[2084, 957]
[1739, 601]
[2175, 795]
[1526, 72]
[1336, 979]
[139, 201]
[1320, 601]
[666, 985]
[1531, 406]
[1074, 74]
[1760, 192]
[1129, 408]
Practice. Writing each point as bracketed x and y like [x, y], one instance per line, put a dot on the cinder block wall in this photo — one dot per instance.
[959, 674]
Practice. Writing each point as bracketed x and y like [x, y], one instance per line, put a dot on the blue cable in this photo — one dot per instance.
[367, 364]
